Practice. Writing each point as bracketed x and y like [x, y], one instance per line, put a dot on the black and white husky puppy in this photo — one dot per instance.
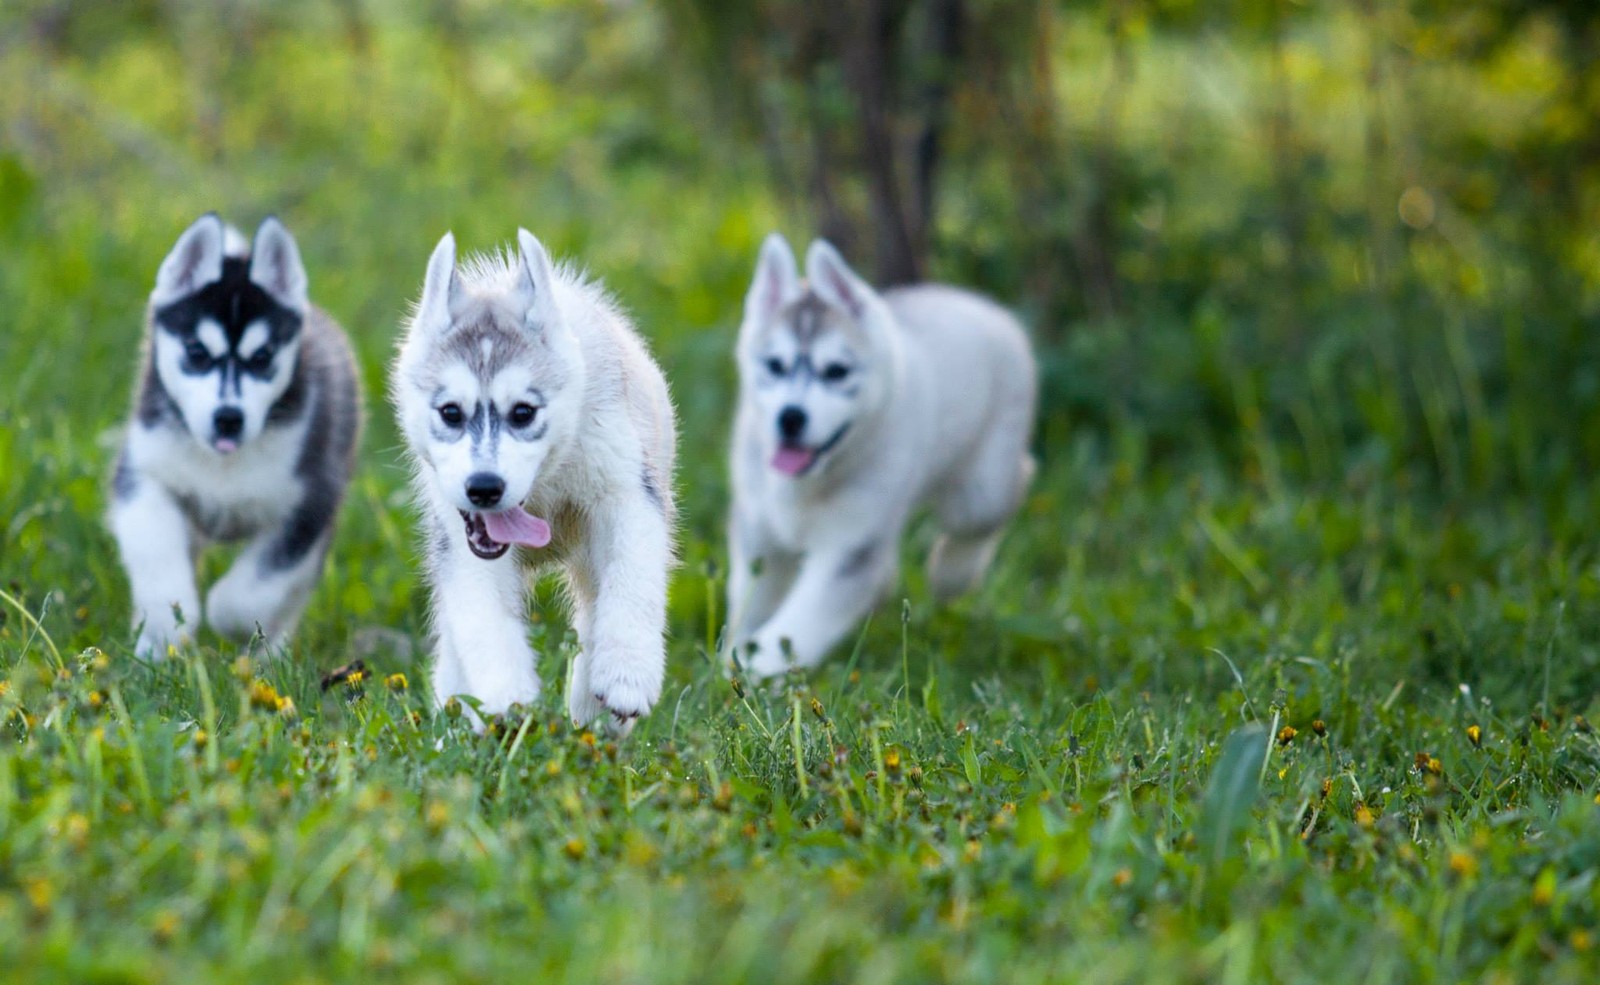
[244, 429]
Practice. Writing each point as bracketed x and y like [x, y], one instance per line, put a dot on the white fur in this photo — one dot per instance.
[609, 422]
[937, 409]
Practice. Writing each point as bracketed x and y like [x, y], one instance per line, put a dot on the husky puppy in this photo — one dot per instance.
[244, 429]
[855, 409]
[536, 419]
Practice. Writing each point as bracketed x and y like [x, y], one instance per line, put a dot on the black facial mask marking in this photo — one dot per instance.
[234, 302]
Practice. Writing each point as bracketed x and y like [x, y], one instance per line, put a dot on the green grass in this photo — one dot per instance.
[1074, 775]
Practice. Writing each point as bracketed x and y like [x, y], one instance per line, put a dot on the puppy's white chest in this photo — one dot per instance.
[228, 494]
[801, 522]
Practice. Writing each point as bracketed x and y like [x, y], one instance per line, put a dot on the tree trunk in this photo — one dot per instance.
[869, 58]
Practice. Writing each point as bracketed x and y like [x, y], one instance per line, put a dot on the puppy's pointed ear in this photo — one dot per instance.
[441, 288]
[777, 280]
[275, 265]
[535, 293]
[195, 261]
[833, 280]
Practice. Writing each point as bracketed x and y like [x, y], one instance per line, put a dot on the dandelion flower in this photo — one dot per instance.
[1463, 864]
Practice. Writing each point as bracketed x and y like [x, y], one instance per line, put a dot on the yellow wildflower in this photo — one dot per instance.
[1544, 888]
[1463, 864]
[40, 893]
[264, 695]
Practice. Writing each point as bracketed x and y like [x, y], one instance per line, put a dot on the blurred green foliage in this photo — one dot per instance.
[1358, 232]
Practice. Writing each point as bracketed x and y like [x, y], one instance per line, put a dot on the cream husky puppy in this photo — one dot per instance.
[855, 409]
[541, 432]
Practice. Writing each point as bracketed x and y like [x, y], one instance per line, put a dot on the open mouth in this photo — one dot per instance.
[226, 446]
[796, 460]
[489, 535]
[478, 538]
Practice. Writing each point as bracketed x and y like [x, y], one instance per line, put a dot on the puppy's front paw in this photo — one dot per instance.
[154, 645]
[162, 628]
[770, 658]
[626, 685]
[582, 705]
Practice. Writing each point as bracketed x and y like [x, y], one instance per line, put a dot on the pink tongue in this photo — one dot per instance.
[226, 445]
[516, 526]
[793, 461]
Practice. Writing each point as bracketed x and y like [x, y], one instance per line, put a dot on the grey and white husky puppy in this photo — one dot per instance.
[855, 409]
[244, 429]
[541, 431]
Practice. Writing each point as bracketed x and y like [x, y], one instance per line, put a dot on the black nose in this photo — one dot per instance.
[485, 488]
[229, 422]
[791, 422]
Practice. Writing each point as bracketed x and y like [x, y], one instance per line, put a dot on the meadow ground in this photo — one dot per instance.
[1193, 729]
[1281, 675]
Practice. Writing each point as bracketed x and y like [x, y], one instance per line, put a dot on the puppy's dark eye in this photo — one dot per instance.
[834, 372]
[522, 415]
[775, 366]
[260, 361]
[452, 415]
[197, 355]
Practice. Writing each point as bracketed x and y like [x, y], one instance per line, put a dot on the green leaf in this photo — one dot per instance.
[930, 699]
[969, 759]
[1235, 783]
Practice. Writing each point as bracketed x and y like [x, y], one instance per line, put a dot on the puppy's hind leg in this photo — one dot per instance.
[973, 516]
[272, 579]
[957, 563]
